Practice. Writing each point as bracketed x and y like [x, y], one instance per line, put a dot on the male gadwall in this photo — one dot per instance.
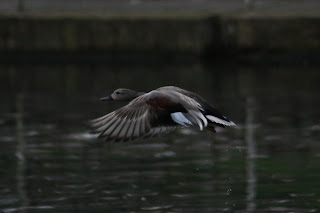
[156, 112]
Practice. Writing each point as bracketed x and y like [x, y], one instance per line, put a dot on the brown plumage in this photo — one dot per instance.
[154, 113]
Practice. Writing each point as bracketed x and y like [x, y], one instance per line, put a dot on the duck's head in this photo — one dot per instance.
[122, 94]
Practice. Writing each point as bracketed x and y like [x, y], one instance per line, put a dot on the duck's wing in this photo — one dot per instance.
[211, 113]
[146, 116]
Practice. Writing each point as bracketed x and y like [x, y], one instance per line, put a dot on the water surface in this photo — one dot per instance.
[268, 163]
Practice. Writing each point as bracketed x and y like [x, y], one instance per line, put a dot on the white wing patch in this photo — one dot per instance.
[220, 121]
[179, 118]
[191, 118]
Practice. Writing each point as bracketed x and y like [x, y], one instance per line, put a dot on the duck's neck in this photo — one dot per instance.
[140, 93]
[137, 94]
[133, 95]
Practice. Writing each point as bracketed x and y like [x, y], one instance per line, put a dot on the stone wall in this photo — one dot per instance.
[153, 35]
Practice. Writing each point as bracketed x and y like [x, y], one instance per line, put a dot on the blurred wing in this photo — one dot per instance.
[137, 119]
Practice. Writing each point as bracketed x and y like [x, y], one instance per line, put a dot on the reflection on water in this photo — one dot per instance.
[20, 153]
[269, 162]
[251, 154]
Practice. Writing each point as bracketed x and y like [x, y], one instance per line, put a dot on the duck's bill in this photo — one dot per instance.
[108, 98]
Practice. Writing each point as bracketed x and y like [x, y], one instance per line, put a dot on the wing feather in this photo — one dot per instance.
[136, 119]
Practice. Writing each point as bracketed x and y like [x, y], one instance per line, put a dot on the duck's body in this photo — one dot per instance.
[156, 112]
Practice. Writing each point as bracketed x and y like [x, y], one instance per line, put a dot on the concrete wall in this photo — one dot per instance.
[175, 35]
[286, 34]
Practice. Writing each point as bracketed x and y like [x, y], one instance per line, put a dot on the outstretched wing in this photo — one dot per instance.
[146, 116]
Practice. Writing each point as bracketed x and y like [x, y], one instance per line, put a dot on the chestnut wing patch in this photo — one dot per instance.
[161, 108]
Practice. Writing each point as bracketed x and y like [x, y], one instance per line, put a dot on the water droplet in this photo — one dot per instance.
[229, 191]
[134, 186]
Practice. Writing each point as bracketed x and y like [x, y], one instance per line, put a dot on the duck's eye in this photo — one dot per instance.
[118, 93]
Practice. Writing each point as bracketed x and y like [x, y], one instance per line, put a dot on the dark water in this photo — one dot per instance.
[269, 163]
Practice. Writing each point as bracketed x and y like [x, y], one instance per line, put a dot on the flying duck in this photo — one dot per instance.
[157, 112]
